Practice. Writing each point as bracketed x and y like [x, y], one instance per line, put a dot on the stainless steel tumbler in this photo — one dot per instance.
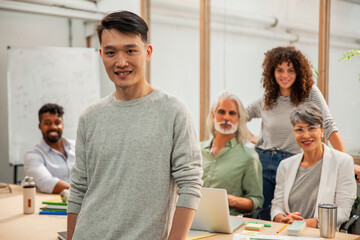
[327, 220]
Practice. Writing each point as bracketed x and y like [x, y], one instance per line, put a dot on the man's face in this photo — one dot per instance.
[124, 56]
[51, 127]
[226, 117]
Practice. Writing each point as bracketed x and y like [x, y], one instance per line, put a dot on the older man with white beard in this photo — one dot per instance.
[227, 162]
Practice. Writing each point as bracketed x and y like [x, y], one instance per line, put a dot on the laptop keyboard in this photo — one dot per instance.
[235, 223]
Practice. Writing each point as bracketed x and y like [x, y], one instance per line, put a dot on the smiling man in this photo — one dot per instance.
[51, 160]
[138, 163]
[227, 162]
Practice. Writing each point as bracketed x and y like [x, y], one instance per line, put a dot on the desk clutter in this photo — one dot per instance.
[253, 232]
[54, 206]
[254, 226]
[238, 236]
[29, 193]
[46, 227]
[296, 227]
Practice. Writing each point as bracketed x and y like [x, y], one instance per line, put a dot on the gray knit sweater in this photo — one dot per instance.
[131, 157]
[276, 129]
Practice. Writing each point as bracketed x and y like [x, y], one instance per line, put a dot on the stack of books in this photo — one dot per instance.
[54, 207]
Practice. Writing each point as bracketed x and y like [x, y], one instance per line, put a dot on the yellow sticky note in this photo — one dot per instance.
[251, 233]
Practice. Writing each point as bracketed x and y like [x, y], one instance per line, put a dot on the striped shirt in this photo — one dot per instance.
[276, 128]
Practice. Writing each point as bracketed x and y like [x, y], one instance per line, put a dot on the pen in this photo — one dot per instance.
[282, 228]
[265, 224]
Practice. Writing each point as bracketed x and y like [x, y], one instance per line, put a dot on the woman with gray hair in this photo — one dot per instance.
[227, 162]
[317, 175]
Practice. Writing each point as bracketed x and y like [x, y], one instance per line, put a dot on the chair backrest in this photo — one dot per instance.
[353, 224]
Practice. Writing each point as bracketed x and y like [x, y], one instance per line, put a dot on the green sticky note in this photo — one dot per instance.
[265, 224]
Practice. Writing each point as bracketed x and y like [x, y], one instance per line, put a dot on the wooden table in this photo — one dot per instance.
[15, 225]
[307, 232]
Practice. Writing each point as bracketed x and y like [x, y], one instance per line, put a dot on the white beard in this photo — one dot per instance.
[229, 130]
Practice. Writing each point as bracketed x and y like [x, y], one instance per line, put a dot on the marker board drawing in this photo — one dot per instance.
[66, 76]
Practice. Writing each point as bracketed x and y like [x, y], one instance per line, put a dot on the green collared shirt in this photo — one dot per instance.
[237, 169]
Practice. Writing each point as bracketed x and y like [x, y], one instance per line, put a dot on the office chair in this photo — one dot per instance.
[255, 213]
[353, 224]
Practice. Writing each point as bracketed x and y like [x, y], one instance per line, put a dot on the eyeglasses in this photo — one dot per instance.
[309, 129]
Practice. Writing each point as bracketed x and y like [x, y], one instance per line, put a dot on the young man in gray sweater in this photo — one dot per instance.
[138, 171]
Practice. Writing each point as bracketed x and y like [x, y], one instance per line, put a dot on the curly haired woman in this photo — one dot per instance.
[288, 81]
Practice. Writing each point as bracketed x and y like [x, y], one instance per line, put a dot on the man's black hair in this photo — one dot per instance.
[125, 22]
[52, 108]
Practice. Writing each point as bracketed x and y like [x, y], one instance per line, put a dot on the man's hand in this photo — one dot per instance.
[241, 204]
[60, 185]
[231, 200]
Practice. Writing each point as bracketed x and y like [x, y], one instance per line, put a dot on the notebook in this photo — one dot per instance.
[213, 213]
[62, 235]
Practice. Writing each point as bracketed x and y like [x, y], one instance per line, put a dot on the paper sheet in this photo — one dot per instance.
[238, 236]
[193, 234]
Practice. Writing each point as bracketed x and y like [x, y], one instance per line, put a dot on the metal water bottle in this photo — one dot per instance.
[327, 220]
[29, 193]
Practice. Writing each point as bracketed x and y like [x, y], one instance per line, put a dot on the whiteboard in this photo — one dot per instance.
[35, 76]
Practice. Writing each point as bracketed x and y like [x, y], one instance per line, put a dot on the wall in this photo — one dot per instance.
[344, 86]
[20, 29]
[241, 32]
[175, 61]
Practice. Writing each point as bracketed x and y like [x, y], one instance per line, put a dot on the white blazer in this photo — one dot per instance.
[337, 183]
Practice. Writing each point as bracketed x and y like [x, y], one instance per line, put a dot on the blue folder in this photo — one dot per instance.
[52, 213]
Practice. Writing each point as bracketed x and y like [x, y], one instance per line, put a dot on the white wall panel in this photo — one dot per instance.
[175, 64]
[34, 30]
[237, 51]
[24, 30]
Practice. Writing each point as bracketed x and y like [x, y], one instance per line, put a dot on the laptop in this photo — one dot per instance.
[213, 213]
